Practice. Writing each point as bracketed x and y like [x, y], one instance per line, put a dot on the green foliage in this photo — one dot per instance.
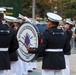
[65, 1]
[27, 7]
[70, 9]
[42, 9]
[65, 8]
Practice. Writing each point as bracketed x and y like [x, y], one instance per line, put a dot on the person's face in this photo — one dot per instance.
[66, 26]
[15, 26]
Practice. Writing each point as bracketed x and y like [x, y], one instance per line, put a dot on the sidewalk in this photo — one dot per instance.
[73, 64]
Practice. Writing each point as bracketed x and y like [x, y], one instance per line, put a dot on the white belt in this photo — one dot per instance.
[3, 49]
[54, 50]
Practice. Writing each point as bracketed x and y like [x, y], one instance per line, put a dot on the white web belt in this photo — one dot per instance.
[3, 49]
[54, 50]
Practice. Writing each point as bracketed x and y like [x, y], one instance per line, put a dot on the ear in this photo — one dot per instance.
[50, 24]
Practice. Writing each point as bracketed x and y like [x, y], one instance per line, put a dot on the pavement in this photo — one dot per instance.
[72, 65]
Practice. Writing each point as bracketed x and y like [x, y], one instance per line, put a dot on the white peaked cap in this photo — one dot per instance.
[10, 19]
[69, 22]
[21, 16]
[2, 10]
[54, 17]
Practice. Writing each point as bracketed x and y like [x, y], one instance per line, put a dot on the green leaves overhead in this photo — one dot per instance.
[70, 9]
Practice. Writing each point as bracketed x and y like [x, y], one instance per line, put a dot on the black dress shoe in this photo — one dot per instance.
[29, 70]
[34, 68]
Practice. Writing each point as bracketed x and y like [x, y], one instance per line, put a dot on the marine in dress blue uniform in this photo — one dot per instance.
[13, 56]
[67, 28]
[54, 44]
[8, 44]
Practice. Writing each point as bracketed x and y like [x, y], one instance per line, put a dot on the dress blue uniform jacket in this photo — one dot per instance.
[7, 40]
[69, 34]
[54, 39]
